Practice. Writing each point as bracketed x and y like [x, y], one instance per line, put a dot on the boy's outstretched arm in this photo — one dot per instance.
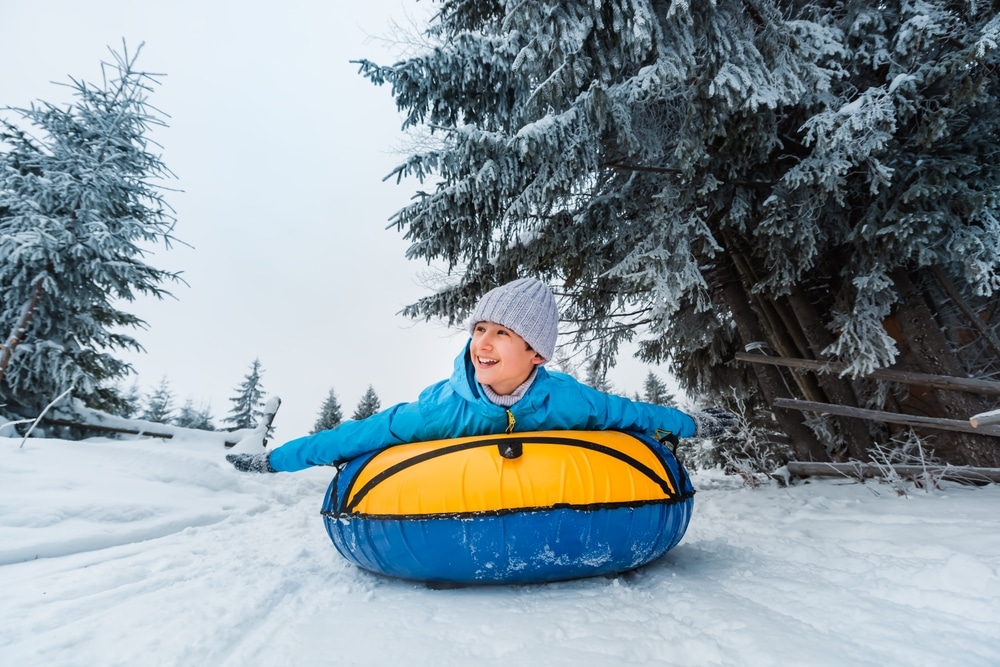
[392, 426]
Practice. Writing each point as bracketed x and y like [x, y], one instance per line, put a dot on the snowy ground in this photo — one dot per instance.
[151, 553]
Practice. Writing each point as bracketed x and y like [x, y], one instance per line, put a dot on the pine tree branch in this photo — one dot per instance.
[620, 166]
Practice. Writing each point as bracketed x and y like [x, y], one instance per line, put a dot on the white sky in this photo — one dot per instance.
[280, 148]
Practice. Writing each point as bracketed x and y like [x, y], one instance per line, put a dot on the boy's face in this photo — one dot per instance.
[501, 358]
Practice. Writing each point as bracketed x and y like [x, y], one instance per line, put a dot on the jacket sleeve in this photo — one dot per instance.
[627, 415]
[574, 405]
[395, 425]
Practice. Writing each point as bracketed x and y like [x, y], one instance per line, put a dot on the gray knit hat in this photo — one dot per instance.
[528, 307]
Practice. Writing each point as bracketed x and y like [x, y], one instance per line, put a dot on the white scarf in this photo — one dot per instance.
[509, 399]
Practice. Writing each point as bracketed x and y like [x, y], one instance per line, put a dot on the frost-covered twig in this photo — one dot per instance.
[750, 454]
[42, 414]
[14, 423]
[882, 460]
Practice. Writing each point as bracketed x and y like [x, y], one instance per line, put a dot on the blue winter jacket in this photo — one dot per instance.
[458, 407]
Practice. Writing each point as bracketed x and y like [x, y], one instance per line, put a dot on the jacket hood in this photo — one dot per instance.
[463, 379]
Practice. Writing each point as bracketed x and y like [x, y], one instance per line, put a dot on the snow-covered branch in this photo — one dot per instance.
[77, 415]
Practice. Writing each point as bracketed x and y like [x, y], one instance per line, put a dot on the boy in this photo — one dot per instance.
[498, 385]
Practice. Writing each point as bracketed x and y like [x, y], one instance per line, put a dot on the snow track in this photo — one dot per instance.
[154, 553]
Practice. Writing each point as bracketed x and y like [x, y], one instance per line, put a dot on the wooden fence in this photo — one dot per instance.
[982, 424]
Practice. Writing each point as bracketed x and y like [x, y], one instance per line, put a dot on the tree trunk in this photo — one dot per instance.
[774, 329]
[17, 335]
[856, 434]
[988, 335]
[769, 379]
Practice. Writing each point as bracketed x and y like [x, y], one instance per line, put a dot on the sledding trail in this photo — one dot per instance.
[161, 554]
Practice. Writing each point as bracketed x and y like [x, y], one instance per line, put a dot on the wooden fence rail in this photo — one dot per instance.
[987, 387]
[982, 424]
[858, 470]
[889, 417]
[983, 418]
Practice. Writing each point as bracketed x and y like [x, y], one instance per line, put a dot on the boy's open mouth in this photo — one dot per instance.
[486, 362]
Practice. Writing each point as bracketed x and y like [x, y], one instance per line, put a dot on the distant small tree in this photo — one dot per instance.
[191, 417]
[160, 404]
[597, 377]
[563, 364]
[330, 414]
[656, 391]
[249, 400]
[131, 401]
[368, 405]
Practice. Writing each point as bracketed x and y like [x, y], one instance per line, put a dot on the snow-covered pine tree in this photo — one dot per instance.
[368, 405]
[597, 377]
[79, 208]
[249, 399]
[330, 413]
[131, 401]
[191, 417]
[160, 404]
[655, 391]
[713, 176]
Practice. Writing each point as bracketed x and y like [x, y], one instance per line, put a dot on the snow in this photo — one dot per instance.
[149, 552]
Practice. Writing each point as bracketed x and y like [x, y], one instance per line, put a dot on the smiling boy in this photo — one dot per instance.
[502, 359]
[499, 385]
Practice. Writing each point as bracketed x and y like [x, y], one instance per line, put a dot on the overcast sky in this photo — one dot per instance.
[279, 148]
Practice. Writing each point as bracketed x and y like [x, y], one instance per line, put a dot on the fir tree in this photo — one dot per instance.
[191, 417]
[368, 405]
[330, 414]
[160, 404]
[563, 364]
[597, 377]
[249, 399]
[656, 392]
[130, 401]
[708, 177]
[78, 211]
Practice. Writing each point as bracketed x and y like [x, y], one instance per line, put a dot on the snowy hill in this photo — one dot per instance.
[152, 553]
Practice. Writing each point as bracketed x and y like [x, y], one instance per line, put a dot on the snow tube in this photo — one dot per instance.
[513, 508]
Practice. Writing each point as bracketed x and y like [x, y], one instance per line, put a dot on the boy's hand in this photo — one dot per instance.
[714, 422]
[251, 462]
